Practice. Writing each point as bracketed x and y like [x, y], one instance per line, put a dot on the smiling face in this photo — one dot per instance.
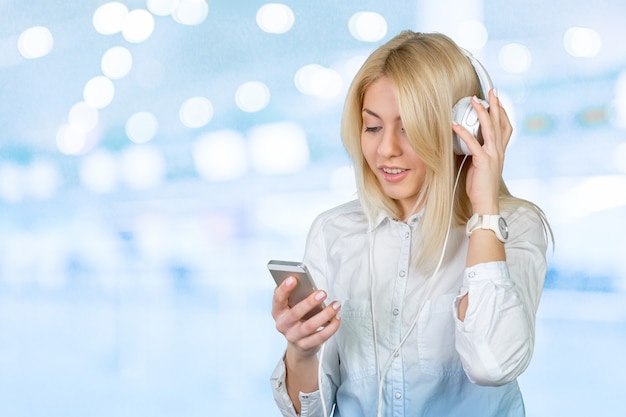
[386, 147]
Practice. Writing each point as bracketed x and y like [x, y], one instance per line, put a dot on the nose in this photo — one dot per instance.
[389, 144]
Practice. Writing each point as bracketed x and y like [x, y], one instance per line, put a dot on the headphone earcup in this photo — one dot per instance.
[464, 114]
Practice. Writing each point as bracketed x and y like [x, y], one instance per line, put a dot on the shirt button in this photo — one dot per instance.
[395, 355]
[471, 274]
[398, 395]
[396, 311]
[402, 273]
[406, 235]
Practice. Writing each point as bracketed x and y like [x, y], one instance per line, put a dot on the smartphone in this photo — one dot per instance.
[281, 270]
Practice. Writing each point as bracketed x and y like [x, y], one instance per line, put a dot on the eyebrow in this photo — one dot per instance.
[368, 111]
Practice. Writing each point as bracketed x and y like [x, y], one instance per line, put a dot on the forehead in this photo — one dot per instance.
[380, 97]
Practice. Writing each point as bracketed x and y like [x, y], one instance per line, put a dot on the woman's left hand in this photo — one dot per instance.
[483, 177]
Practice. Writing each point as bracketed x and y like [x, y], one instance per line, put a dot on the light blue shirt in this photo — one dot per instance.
[444, 367]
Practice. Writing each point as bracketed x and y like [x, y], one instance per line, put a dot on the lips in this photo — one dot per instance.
[393, 174]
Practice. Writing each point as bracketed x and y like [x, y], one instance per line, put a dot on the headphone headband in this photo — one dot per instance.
[483, 76]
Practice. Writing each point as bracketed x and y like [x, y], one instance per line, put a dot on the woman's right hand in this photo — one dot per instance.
[305, 337]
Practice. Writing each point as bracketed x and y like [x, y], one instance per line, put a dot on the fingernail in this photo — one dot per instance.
[336, 307]
[320, 296]
[290, 281]
[495, 92]
[475, 100]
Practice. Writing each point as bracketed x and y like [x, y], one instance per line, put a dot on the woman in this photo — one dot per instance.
[435, 272]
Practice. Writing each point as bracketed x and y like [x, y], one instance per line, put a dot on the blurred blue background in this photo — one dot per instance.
[154, 155]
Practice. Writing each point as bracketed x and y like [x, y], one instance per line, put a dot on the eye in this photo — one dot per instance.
[372, 129]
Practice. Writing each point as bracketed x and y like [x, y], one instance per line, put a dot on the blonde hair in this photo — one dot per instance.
[430, 73]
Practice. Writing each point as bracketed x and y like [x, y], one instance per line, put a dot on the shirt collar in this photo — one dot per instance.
[383, 215]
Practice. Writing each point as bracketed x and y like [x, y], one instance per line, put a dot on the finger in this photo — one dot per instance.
[319, 335]
[281, 296]
[472, 143]
[305, 306]
[484, 118]
[304, 329]
[505, 127]
[322, 318]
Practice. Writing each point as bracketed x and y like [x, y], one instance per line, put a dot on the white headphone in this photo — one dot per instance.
[464, 114]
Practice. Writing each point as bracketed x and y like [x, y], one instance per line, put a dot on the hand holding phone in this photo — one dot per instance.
[281, 270]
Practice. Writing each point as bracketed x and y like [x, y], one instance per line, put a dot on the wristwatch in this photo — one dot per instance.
[493, 222]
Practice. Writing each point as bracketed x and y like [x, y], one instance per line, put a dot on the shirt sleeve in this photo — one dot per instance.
[311, 404]
[496, 339]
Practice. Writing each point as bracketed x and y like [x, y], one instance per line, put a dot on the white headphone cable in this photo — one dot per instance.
[319, 379]
[381, 374]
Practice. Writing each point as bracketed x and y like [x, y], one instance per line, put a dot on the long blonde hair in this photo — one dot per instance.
[430, 74]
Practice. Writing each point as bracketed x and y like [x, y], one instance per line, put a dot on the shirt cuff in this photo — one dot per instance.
[279, 389]
[310, 403]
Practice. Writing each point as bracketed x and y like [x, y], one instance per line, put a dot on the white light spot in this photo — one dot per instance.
[191, 12]
[143, 166]
[141, 127]
[35, 42]
[221, 156]
[109, 18]
[582, 42]
[162, 7]
[116, 62]
[515, 58]
[594, 194]
[278, 148]
[99, 92]
[367, 26]
[98, 172]
[275, 18]
[252, 96]
[71, 140]
[138, 26]
[318, 81]
[196, 112]
[472, 35]
[83, 117]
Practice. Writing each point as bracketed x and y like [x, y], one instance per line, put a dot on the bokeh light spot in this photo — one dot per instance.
[83, 117]
[278, 148]
[252, 96]
[138, 26]
[116, 62]
[196, 112]
[367, 26]
[515, 58]
[221, 156]
[142, 127]
[109, 18]
[316, 80]
[191, 12]
[582, 42]
[99, 92]
[275, 18]
[35, 42]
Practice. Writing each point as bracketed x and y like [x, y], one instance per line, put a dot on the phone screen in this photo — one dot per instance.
[281, 270]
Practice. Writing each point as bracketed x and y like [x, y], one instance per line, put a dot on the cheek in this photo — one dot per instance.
[369, 152]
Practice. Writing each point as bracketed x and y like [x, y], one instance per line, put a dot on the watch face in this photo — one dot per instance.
[504, 229]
